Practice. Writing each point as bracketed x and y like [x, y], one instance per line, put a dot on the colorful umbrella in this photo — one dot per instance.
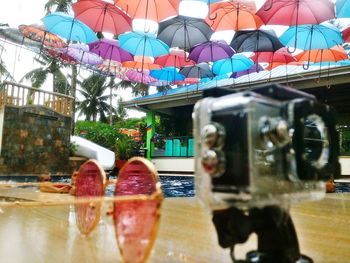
[307, 37]
[346, 34]
[156, 10]
[63, 57]
[246, 5]
[142, 44]
[114, 68]
[255, 41]
[110, 49]
[81, 53]
[186, 81]
[168, 74]
[39, 34]
[14, 35]
[102, 16]
[68, 27]
[140, 66]
[211, 51]
[141, 77]
[280, 56]
[252, 69]
[184, 32]
[296, 12]
[236, 63]
[342, 8]
[176, 58]
[201, 70]
[233, 17]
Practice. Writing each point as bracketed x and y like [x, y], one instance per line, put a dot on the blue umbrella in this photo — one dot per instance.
[68, 27]
[236, 63]
[338, 63]
[168, 74]
[143, 44]
[216, 78]
[308, 37]
[342, 8]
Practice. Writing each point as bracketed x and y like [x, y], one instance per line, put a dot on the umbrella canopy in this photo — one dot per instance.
[296, 12]
[236, 63]
[168, 74]
[308, 37]
[142, 44]
[334, 54]
[136, 76]
[201, 70]
[140, 65]
[176, 58]
[110, 49]
[81, 53]
[68, 27]
[102, 16]
[14, 35]
[246, 5]
[211, 51]
[346, 34]
[252, 69]
[113, 67]
[342, 8]
[280, 56]
[184, 32]
[62, 57]
[156, 10]
[186, 81]
[255, 41]
[39, 34]
[233, 17]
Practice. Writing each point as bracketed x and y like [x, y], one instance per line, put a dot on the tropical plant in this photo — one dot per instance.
[126, 147]
[95, 102]
[58, 5]
[39, 75]
[3, 69]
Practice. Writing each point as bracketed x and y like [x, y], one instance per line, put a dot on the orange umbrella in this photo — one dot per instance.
[39, 34]
[140, 65]
[273, 65]
[230, 16]
[247, 5]
[156, 10]
[333, 54]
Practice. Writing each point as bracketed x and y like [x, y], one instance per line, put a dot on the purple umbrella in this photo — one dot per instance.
[136, 76]
[81, 53]
[252, 69]
[110, 49]
[211, 51]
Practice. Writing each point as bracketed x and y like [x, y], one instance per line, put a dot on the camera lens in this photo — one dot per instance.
[316, 141]
[213, 135]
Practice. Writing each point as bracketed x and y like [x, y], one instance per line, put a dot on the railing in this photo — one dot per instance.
[174, 147]
[15, 94]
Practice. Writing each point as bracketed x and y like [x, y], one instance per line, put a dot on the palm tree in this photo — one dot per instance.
[39, 75]
[3, 69]
[60, 5]
[95, 102]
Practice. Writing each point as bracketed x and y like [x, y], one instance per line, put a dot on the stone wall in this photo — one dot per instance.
[35, 140]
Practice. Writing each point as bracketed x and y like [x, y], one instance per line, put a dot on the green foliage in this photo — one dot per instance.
[126, 147]
[72, 148]
[344, 133]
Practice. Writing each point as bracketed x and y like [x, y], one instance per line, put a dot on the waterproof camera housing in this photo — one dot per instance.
[270, 146]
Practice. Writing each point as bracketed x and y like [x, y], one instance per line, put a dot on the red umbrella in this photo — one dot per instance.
[346, 34]
[102, 17]
[63, 57]
[280, 56]
[296, 12]
[156, 10]
[176, 58]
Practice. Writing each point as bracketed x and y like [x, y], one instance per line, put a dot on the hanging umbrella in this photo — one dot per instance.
[14, 35]
[346, 35]
[296, 12]
[62, 57]
[113, 67]
[176, 58]
[308, 37]
[168, 74]
[101, 16]
[233, 17]
[186, 81]
[255, 41]
[140, 77]
[252, 69]
[156, 10]
[246, 5]
[334, 54]
[142, 44]
[342, 8]
[39, 34]
[68, 27]
[81, 53]
[216, 78]
[211, 51]
[280, 56]
[110, 49]
[140, 66]
[184, 32]
[236, 63]
[273, 65]
[201, 70]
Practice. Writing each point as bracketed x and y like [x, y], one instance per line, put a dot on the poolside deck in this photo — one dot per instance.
[35, 235]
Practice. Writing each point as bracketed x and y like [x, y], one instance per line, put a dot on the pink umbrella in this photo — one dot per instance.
[114, 68]
[137, 76]
[81, 53]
